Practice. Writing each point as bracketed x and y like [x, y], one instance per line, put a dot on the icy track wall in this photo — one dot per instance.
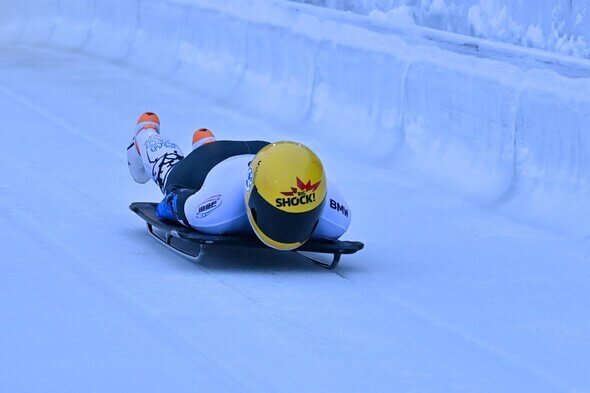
[491, 130]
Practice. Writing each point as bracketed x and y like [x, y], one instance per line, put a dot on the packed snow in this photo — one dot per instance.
[465, 163]
[560, 26]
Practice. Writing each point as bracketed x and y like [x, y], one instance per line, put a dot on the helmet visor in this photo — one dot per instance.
[282, 226]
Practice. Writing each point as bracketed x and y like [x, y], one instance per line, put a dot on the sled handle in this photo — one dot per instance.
[167, 240]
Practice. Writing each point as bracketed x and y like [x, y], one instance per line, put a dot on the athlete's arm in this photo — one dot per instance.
[335, 218]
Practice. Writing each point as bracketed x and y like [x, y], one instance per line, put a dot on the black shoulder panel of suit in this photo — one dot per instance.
[194, 168]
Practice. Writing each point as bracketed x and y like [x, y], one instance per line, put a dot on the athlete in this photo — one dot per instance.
[277, 190]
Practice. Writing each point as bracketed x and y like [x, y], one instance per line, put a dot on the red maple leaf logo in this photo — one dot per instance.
[308, 187]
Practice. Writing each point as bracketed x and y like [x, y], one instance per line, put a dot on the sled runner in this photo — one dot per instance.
[192, 244]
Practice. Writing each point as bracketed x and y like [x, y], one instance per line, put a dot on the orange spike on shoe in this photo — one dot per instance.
[202, 136]
[148, 117]
[147, 120]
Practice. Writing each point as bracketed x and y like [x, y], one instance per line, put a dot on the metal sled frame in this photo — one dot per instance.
[167, 241]
[192, 244]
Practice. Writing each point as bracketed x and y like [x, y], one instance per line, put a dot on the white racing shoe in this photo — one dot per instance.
[147, 120]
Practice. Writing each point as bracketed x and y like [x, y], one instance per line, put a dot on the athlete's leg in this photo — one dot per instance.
[149, 155]
[218, 207]
[159, 154]
[335, 218]
[134, 162]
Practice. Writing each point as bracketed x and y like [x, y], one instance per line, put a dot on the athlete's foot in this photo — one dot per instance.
[171, 206]
[201, 137]
[147, 121]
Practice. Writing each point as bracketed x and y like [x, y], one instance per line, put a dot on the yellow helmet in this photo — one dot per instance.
[285, 194]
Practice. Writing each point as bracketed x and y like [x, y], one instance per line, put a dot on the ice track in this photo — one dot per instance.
[446, 297]
[477, 284]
